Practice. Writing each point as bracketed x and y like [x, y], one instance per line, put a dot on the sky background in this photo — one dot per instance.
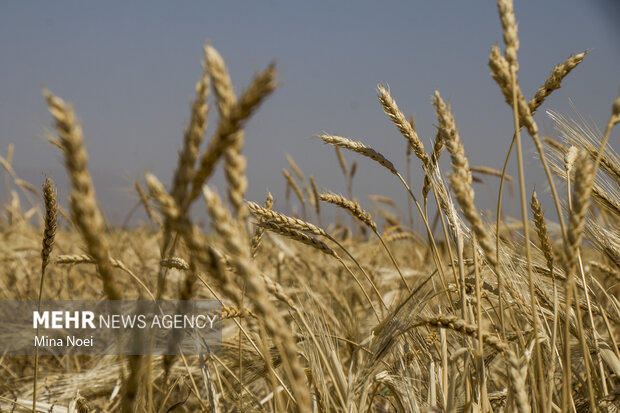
[129, 68]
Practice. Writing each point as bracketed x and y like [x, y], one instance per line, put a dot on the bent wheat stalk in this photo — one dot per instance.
[299, 225]
[356, 210]
[319, 245]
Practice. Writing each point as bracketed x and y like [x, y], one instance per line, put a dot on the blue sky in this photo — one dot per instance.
[129, 68]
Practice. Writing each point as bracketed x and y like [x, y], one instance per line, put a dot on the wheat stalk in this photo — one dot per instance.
[256, 292]
[82, 199]
[49, 233]
[295, 168]
[515, 370]
[261, 86]
[487, 170]
[341, 161]
[87, 259]
[144, 200]
[502, 75]
[404, 126]
[522, 115]
[461, 178]
[315, 193]
[584, 175]
[300, 195]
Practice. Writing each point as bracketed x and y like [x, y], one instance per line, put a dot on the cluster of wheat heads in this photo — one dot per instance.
[516, 315]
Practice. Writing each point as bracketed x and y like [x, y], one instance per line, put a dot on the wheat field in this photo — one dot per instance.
[461, 311]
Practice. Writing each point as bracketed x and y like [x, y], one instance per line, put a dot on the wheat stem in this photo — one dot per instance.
[51, 208]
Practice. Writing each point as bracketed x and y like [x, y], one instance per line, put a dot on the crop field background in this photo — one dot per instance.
[332, 302]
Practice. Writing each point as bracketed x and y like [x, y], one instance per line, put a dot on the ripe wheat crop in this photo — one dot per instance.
[470, 314]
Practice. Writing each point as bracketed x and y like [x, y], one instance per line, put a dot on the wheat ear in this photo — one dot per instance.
[82, 199]
[580, 203]
[569, 159]
[51, 208]
[359, 147]
[404, 126]
[87, 259]
[191, 140]
[234, 161]
[164, 200]
[297, 236]
[236, 312]
[509, 26]
[174, 262]
[352, 206]
[554, 81]
[261, 86]
[278, 218]
[438, 148]
[541, 230]
[222, 85]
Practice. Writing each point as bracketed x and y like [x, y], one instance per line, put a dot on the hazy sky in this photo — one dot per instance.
[130, 68]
